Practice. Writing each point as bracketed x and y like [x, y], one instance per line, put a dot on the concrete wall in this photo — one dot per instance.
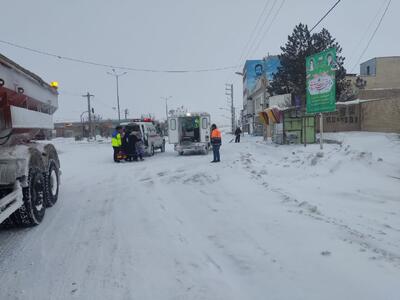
[366, 94]
[346, 118]
[376, 115]
[381, 115]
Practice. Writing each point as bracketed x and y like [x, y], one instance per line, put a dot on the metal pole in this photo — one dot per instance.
[117, 80]
[119, 112]
[232, 111]
[321, 131]
[166, 108]
[88, 96]
[166, 105]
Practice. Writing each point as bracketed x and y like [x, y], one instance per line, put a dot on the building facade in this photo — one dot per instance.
[256, 77]
[381, 73]
[377, 99]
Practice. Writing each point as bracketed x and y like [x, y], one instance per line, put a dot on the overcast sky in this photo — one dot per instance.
[173, 34]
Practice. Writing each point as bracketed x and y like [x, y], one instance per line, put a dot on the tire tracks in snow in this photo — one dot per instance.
[312, 211]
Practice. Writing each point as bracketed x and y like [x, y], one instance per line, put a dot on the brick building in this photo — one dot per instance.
[377, 104]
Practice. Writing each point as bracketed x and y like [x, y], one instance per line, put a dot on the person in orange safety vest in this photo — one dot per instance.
[216, 141]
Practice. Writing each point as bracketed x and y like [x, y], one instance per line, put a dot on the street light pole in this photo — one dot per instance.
[88, 96]
[114, 73]
[229, 92]
[166, 105]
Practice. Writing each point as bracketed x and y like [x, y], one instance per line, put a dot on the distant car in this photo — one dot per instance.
[152, 137]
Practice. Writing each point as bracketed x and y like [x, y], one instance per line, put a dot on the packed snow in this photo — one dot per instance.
[268, 222]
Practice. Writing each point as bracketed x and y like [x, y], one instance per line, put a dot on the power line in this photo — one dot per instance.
[97, 64]
[373, 34]
[328, 12]
[364, 35]
[245, 49]
[261, 28]
[72, 94]
[269, 26]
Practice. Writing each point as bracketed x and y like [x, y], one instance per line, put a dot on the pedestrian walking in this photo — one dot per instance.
[116, 142]
[216, 141]
[238, 132]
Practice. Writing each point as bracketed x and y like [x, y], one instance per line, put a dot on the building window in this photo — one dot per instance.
[368, 70]
[328, 119]
[351, 119]
[355, 120]
[352, 110]
[333, 119]
[345, 120]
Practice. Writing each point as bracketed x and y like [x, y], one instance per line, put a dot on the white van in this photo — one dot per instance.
[190, 132]
[152, 137]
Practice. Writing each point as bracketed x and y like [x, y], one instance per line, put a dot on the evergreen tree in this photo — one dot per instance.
[291, 75]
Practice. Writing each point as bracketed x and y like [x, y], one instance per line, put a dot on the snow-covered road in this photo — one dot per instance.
[268, 222]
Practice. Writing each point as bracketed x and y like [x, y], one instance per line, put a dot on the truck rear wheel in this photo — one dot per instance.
[52, 183]
[33, 210]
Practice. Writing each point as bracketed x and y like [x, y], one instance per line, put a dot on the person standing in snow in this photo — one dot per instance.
[131, 145]
[216, 141]
[238, 132]
[139, 145]
[116, 142]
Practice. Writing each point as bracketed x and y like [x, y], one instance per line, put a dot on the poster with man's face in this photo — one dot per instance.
[254, 69]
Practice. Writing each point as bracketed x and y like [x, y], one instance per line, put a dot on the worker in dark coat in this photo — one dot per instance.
[238, 132]
[125, 146]
[132, 140]
[216, 141]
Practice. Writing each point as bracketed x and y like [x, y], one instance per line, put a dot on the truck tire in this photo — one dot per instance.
[52, 183]
[34, 208]
[52, 176]
[32, 212]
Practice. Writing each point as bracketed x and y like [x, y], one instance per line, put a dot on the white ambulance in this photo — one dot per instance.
[152, 136]
[190, 132]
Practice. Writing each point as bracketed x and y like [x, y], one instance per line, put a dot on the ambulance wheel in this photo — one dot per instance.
[180, 152]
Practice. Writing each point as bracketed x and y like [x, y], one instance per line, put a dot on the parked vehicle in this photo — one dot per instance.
[152, 137]
[29, 170]
[190, 132]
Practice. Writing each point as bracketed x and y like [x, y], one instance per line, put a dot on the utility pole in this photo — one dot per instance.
[114, 73]
[126, 112]
[88, 96]
[166, 105]
[229, 92]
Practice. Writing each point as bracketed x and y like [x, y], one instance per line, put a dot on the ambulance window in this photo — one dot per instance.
[204, 123]
[172, 124]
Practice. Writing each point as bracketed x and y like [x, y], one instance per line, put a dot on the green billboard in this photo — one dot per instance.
[321, 81]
